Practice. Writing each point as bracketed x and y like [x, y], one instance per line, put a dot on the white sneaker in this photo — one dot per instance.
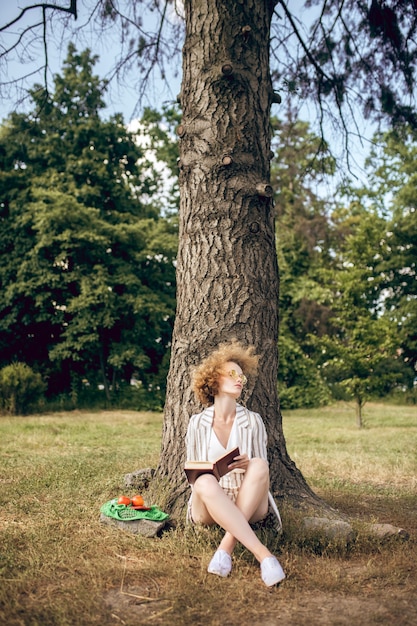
[271, 571]
[220, 564]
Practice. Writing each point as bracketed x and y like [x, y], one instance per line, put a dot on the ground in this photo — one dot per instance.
[374, 585]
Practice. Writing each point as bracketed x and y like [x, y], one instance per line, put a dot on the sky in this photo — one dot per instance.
[120, 98]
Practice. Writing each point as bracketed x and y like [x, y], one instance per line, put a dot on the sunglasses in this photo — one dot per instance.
[235, 375]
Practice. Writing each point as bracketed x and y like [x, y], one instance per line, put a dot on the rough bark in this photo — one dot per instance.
[227, 272]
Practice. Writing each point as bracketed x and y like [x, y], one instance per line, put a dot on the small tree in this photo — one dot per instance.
[361, 359]
[20, 388]
[361, 353]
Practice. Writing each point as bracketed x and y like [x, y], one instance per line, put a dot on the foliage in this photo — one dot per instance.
[338, 62]
[304, 242]
[393, 188]
[21, 389]
[299, 381]
[347, 289]
[348, 57]
[361, 353]
[361, 359]
[87, 264]
[157, 131]
[73, 228]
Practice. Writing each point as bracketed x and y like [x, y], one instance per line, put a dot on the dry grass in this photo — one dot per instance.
[59, 565]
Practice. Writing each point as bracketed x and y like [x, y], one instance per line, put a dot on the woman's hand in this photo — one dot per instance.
[240, 462]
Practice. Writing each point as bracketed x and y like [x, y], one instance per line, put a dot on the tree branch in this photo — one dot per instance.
[301, 41]
[22, 34]
[44, 6]
[72, 9]
[45, 47]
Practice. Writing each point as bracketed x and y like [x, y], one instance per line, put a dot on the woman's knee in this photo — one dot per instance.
[205, 485]
[258, 468]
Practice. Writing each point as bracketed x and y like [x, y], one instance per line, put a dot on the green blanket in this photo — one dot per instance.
[126, 513]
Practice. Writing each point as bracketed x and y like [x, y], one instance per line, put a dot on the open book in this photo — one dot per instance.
[218, 468]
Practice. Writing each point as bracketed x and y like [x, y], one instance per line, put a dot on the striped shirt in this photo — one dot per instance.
[252, 440]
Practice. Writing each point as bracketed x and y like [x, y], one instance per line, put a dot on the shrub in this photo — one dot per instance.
[304, 396]
[126, 397]
[20, 388]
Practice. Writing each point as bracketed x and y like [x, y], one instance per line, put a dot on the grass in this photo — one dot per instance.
[329, 448]
[60, 566]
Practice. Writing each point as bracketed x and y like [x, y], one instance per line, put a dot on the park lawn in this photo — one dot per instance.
[59, 565]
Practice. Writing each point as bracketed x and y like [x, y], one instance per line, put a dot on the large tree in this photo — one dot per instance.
[359, 354]
[227, 272]
[353, 55]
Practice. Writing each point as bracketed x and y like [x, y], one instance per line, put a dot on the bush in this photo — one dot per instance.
[21, 389]
[141, 398]
[402, 397]
[126, 397]
[304, 396]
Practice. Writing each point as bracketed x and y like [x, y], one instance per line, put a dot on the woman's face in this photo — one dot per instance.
[232, 380]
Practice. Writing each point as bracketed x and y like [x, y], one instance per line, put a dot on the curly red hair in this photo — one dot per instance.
[206, 375]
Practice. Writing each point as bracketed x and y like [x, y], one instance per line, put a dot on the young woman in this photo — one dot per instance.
[241, 497]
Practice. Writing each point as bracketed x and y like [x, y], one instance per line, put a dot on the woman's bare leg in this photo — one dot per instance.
[252, 499]
[211, 504]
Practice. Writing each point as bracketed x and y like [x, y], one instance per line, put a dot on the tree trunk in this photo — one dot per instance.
[359, 405]
[103, 374]
[227, 271]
